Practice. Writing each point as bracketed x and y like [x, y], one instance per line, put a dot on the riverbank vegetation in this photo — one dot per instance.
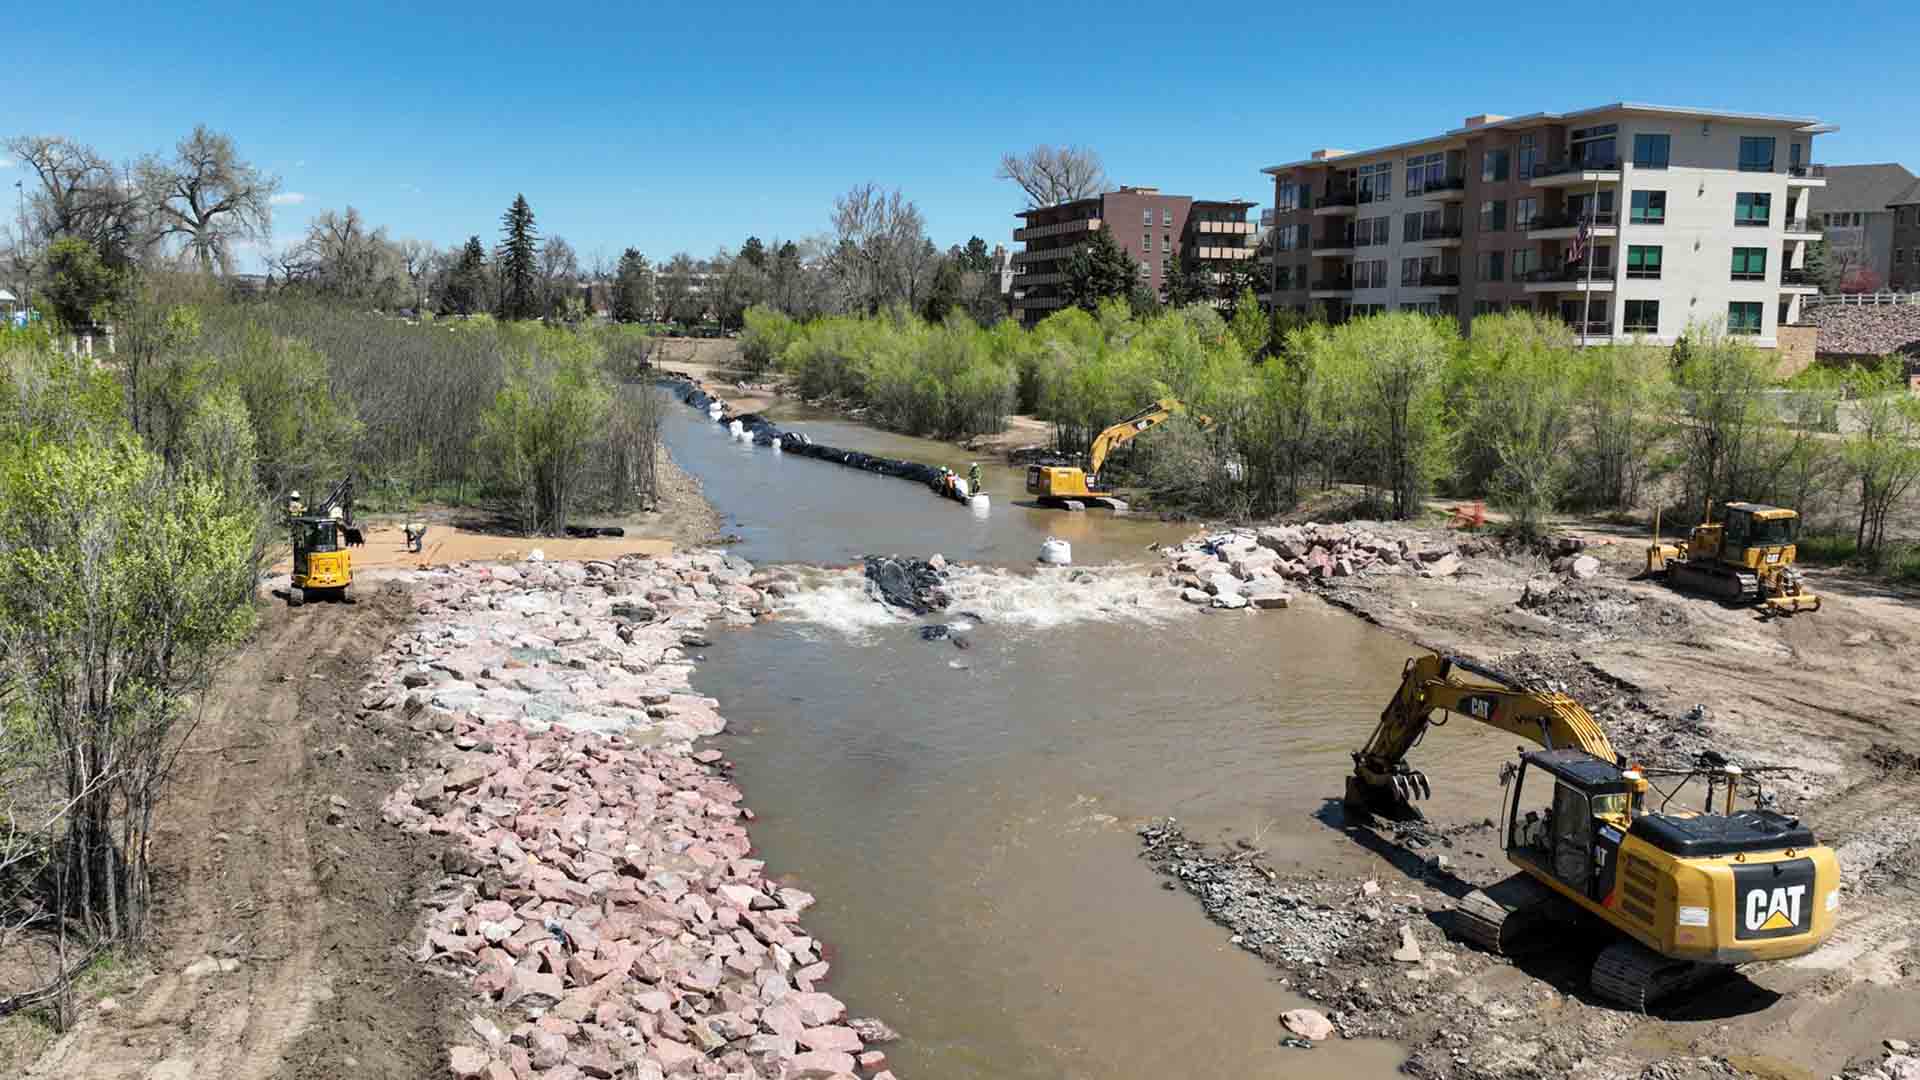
[1400, 404]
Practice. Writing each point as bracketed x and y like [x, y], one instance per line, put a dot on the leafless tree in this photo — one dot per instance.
[208, 198]
[1051, 175]
[880, 249]
[80, 195]
[559, 272]
[420, 261]
[342, 256]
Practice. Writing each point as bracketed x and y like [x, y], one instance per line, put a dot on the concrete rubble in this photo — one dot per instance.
[1242, 568]
[601, 901]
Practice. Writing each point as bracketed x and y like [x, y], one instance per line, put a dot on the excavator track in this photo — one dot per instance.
[1632, 976]
[1504, 914]
[1711, 579]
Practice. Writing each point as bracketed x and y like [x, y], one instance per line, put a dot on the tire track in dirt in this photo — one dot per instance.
[243, 865]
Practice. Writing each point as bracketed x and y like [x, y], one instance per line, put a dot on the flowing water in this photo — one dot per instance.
[966, 816]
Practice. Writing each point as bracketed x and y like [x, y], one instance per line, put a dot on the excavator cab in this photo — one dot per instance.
[1566, 813]
[322, 564]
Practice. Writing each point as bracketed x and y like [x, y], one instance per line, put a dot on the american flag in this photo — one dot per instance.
[1581, 237]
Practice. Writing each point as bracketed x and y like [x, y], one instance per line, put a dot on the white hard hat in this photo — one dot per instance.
[293, 494]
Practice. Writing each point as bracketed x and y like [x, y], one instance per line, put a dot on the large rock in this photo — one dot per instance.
[1229, 601]
[1216, 584]
[1583, 568]
[1444, 566]
[466, 1063]
[1269, 598]
[819, 1065]
[1307, 1024]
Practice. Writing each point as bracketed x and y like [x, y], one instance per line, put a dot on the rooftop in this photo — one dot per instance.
[1864, 187]
[1491, 121]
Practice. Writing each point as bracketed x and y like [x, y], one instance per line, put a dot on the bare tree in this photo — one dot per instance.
[421, 261]
[81, 195]
[881, 254]
[559, 272]
[343, 257]
[208, 198]
[1051, 175]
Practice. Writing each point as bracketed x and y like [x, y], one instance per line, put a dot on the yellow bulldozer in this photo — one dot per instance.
[1746, 557]
[323, 536]
[1682, 893]
[1071, 487]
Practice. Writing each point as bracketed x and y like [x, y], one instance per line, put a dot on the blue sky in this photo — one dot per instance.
[673, 126]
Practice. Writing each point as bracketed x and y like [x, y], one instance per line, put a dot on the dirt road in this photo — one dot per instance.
[280, 894]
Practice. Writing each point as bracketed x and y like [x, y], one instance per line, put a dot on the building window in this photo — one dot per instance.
[1649, 208]
[1409, 271]
[1529, 156]
[1650, 151]
[1899, 255]
[1493, 266]
[1643, 316]
[1374, 182]
[1525, 261]
[1373, 232]
[1743, 317]
[1595, 209]
[1524, 211]
[1286, 198]
[1753, 209]
[1370, 274]
[1756, 153]
[1493, 166]
[1793, 154]
[1643, 261]
[1146, 218]
[1749, 264]
[1593, 146]
[1410, 229]
[1493, 215]
[1166, 244]
[1166, 217]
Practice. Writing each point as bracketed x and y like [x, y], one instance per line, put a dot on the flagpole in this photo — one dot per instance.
[1586, 314]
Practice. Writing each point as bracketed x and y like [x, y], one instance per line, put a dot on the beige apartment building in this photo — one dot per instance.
[1157, 230]
[1625, 220]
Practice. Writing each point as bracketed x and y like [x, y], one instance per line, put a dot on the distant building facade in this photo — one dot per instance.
[1157, 230]
[1856, 214]
[1904, 273]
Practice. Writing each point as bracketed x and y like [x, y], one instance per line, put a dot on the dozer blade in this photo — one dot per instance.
[1787, 605]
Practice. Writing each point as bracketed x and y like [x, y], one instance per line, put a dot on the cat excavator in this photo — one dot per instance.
[1682, 893]
[322, 537]
[1070, 487]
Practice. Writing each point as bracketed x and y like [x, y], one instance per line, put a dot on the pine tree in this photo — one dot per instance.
[1099, 271]
[1188, 283]
[467, 285]
[754, 253]
[633, 288]
[516, 255]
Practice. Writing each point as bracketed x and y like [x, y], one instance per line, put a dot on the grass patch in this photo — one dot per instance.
[1826, 548]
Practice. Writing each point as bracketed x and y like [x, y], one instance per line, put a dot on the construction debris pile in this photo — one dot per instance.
[600, 899]
[1250, 567]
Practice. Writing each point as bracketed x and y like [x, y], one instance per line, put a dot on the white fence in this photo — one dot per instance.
[1871, 299]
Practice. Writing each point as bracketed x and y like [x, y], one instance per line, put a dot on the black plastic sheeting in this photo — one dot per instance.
[766, 434]
[909, 584]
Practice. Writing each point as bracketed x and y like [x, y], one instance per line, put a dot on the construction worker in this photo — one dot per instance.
[973, 478]
[294, 506]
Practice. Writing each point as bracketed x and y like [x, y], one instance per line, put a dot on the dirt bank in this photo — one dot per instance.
[1831, 693]
[271, 953]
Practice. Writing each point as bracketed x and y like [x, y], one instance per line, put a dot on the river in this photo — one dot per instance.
[967, 817]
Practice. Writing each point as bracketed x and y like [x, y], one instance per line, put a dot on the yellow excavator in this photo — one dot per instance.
[1746, 557]
[1683, 893]
[1072, 488]
[322, 538]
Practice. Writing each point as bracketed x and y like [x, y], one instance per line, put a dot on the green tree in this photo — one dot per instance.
[466, 290]
[633, 288]
[518, 259]
[754, 253]
[1100, 270]
[975, 256]
[1624, 392]
[1882, 454]
[1516, 392]
[538, 431]
[1188, 283]
[83, 288]
[1399, 361]
[1724, 433]
[1249, 325]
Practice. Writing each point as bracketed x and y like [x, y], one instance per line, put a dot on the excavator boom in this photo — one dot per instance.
[1385, 784]
[1132, 428]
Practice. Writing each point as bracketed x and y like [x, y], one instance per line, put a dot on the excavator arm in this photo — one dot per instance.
[1384, 783]
[1132, 428]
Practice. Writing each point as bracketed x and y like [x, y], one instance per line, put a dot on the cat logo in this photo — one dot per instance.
[1480, 708]
[1774, 909]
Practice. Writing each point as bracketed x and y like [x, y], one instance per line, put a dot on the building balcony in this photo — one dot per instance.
[1591, 331]
[1564, 226]
[1266, 218]
[1225, 228]
[1441, 236]
[1806, 176]
[1336, 203]
[1555, 174]
[1332, 247]
[1058, 228]
[1046, 255]
[1800, 229]
[1231, 253]
[1446, 189]
[1331, 287]
[1041, 302]
[1554, 279]
[1445, 282]
[1035, 280]
[1798, 281]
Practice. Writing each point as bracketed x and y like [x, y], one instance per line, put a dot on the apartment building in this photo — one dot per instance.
[1623, 220]
[1904, 274]
[1856, 216]
[1157, 230]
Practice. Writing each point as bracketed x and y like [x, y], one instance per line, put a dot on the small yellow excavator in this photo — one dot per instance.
[1747, 557]
[322, 537]
[1683, 893]
[1070, 487]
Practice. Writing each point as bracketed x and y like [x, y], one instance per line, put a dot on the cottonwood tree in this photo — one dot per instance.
[516, 260]
[421, 261]
[881, 254]
[681, 297]
[542, 424]
[559, 275]
[80, 195]
[1517, 392]
[207, 198]
[1051, 175]
[344, 258]
[1882, 455]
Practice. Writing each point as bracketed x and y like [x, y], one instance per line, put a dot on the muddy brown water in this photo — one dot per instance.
[970, 831]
